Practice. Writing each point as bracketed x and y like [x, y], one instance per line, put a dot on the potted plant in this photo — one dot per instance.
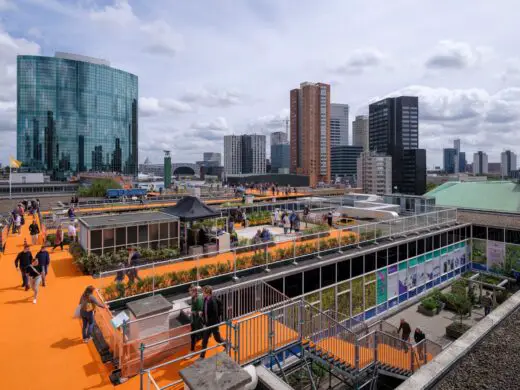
[429, 306]
[462, 306]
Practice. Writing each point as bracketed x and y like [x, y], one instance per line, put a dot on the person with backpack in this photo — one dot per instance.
[212, 314]
[88, 303]
[43, 261]
[34, 231]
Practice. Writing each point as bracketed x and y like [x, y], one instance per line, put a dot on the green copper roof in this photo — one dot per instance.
[484, 195]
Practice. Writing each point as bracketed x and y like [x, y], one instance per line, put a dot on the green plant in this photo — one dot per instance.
[461, 304]
[429, 303]
[99, 187]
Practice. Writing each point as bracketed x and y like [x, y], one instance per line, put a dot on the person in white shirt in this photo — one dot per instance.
[72, 232]
[276, 217]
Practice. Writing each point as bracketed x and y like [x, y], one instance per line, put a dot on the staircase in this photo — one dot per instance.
[352, 349]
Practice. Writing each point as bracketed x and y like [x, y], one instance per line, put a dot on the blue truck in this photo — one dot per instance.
[118, 193]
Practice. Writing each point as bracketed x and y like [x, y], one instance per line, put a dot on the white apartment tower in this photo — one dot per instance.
[360, 132]
[507, 163]
[338, 124]
[233, 154]
[374, 173]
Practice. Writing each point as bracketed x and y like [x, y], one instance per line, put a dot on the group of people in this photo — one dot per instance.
[206, 313]
[18, 213]
[405, 331]
[129, 269]
[289, 222]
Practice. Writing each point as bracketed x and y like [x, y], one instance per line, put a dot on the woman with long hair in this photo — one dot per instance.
[88, 303]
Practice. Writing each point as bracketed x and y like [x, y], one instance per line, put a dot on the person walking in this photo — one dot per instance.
[71, 230]
[133, 262]
[306, 212]
[197, 307]
[17, 224]
[487, 302]
[286, 223]
[34, 273]
[329, 218]
[22, 261]
[211, 318]
[292, 217]
[43, 260]
[88, 303]
[58, 240]
[406, 330]
[34, 231]
[419, 336]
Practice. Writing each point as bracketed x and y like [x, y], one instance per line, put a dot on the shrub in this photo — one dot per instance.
[429, 303]
[99, 187]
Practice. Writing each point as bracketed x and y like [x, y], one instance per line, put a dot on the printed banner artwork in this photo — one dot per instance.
[478, 251]
[411, 281]
[403, 286]
[421, 274]
[393, 285]
[436, 267]
[382, 286]
[496, 253]
[392, 269]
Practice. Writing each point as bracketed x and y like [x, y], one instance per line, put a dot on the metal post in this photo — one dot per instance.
[141, 368]
[294, 252]
[270, 334]
[339, 241]
[153, 279]
[412, 353]
[356, 361]
[375, 233]
[359, 237]
[228, 337]
[375, 348]
[425, 352]
[319, 247]
[267, 258]
[235, 277]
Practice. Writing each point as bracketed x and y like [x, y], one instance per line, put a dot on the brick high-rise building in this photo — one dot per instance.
[310, 132]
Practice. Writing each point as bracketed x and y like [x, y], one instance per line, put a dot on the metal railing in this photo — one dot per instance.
[261, 256]
[264, 334]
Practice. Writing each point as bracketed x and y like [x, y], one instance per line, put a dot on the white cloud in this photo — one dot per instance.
[161, 38]
[212, 98]
[7, 5]
[149, 106]
[35, 33]
[269, 123]
[219, 124]
[360, 60]
[121, 13]
[450, 54]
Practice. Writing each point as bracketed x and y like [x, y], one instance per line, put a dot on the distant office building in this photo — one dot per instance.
[360, 132]
[450, 156]
[414, 169]
[343, 161]
[507, 163]
[253, 153]
[76, 114]
[310, 132]
[280, 158]
[374, 173]
[462, 162]
[338, 124]
[480, 163]
[233, 154]
[212, 159]
[394, 128]
[244, 154]
[279, 138]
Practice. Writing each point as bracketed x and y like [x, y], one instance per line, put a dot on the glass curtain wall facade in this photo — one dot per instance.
[76, 116]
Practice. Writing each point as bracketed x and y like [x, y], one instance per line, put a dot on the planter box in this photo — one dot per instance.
[455, 330]
[430, 313]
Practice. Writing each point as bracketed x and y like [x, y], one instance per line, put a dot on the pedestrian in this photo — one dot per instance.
[211, 316]
[88, 303]
[329, 218]
[419, 336]
[34, 273]
[296, 224]
[71, 213]
[133, 262]
[286, 223]
[292, 217]
[71, 230]
[58, 240]
[487, 302]
[197, 308]
[34, 231]
[17, 223]
[306, 212]
[22, 261]
[43, 260]
[406, 330]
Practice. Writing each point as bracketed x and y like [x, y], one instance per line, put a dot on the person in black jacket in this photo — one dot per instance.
[22, 261]
[34, 231]
[419, 336]
[44, 260]
[405, 336]
[211, 318]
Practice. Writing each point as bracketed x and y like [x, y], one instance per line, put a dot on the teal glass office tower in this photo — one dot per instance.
[76, 114]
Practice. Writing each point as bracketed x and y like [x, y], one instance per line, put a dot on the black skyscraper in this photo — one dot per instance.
[117, 157]
[81, 153]
[49, 142]
[394, 129]
[247, 154]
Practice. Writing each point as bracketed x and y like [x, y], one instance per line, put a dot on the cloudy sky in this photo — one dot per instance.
[212, 67]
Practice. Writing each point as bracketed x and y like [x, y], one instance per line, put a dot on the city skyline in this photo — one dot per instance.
[467, 80]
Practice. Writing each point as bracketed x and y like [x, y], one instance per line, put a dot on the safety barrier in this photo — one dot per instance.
[261, 256]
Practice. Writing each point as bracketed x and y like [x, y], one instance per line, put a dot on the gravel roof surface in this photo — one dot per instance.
[493, 364]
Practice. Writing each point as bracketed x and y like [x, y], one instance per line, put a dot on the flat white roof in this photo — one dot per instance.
[78, 57]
